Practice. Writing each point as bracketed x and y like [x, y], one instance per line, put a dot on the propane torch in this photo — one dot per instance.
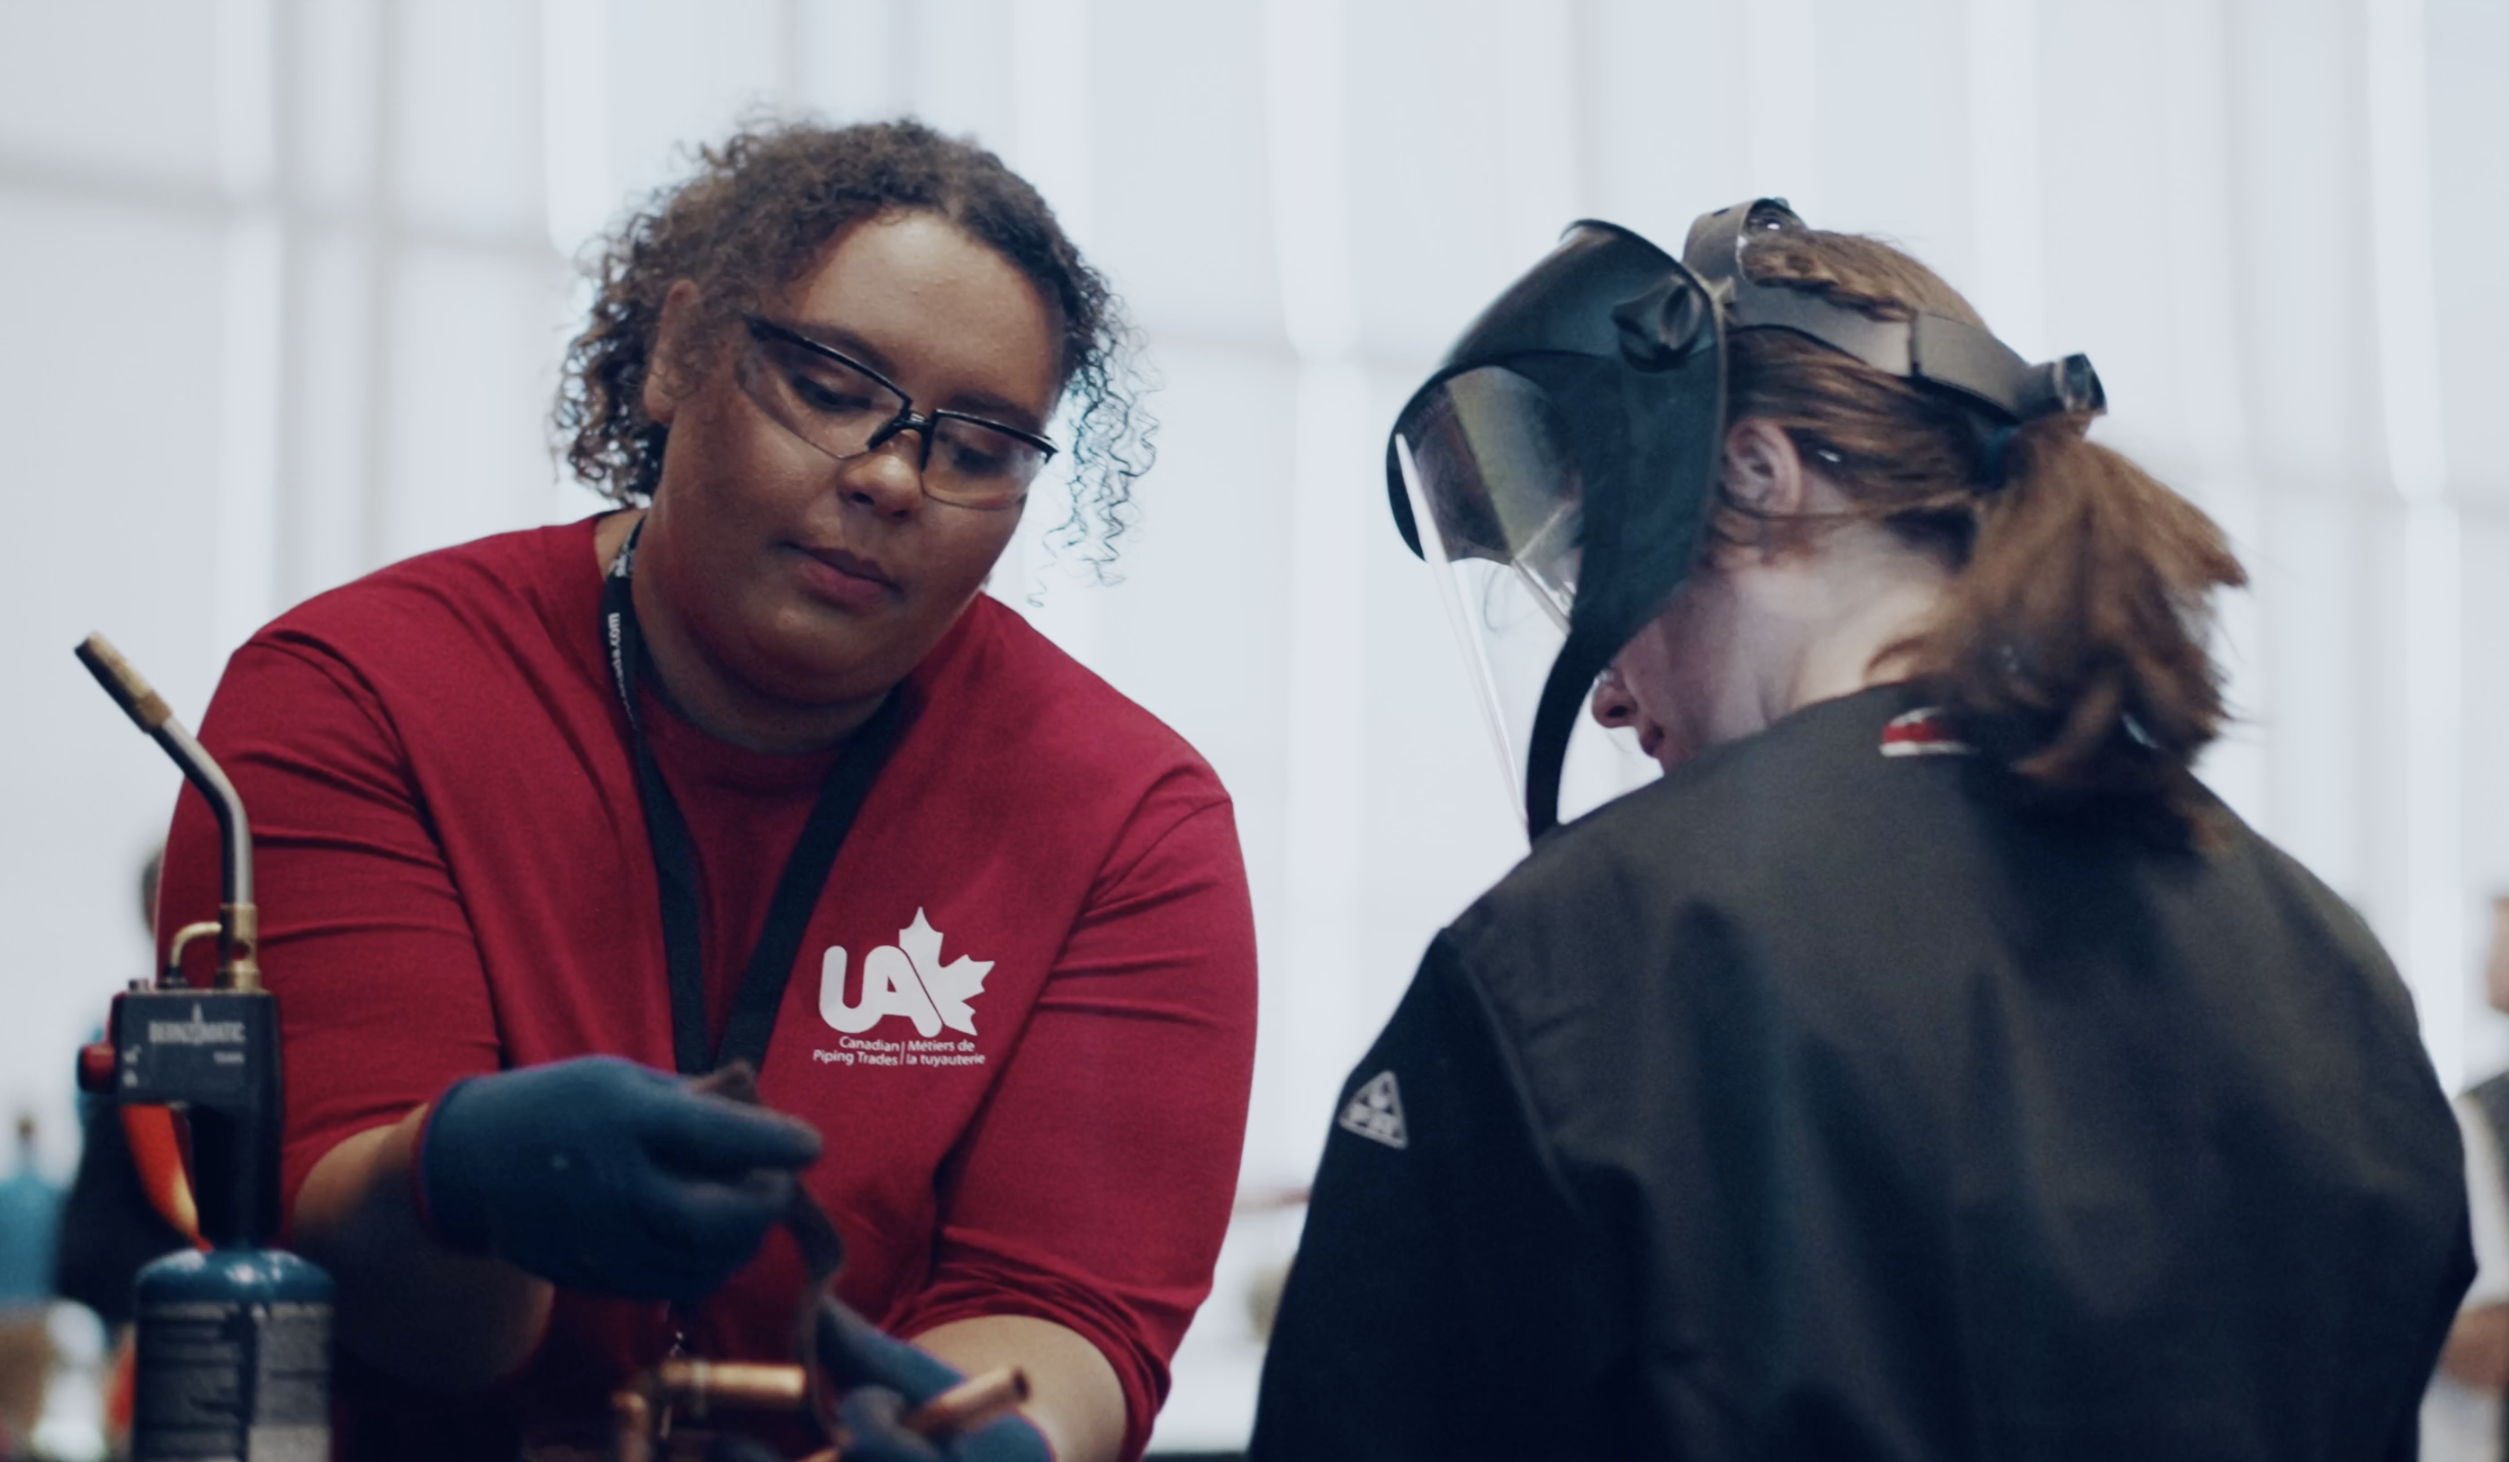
[234, 1344]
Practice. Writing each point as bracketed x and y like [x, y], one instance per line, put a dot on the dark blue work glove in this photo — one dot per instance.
[883, 1379]
[603, 1176]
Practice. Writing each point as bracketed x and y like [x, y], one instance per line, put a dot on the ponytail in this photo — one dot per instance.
[2071, 647]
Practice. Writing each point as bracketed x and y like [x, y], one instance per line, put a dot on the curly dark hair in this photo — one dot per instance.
[758, 212]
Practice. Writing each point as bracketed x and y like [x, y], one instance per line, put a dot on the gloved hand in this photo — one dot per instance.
[884, 1378]
[602, 1176]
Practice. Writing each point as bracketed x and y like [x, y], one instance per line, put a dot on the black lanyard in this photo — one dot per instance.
[841, 796]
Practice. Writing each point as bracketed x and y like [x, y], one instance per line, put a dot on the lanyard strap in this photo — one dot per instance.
[770, 968]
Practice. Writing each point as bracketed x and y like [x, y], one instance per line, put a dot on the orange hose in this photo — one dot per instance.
[121, 1393]
[157, 1151]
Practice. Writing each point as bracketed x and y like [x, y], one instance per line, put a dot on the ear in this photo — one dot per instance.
[665, 377]
[1763, 471]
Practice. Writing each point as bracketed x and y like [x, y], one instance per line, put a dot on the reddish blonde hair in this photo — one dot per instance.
[2072, 646]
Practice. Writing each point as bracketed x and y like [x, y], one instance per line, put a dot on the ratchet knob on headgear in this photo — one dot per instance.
[1663, 327]
[2078, 386]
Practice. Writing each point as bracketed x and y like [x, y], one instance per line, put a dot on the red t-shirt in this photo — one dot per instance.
[454, 878]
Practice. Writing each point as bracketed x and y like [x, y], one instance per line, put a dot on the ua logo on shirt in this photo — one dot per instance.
[906, 978]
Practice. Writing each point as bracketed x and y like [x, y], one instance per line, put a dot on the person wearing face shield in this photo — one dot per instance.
[1928, 1065]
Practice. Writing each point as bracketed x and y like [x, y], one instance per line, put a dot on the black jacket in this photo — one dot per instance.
[1816, 1103]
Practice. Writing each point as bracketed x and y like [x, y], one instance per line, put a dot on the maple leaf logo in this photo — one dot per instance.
[906, 978]
[950, 985]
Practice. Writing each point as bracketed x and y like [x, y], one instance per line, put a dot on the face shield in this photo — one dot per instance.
[1484, 459]
[1556, 472]
[1559, 467]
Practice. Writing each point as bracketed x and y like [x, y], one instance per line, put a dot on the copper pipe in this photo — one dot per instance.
[700, 1384]
[969, 1405]
[697, 1384]
[631, 1427]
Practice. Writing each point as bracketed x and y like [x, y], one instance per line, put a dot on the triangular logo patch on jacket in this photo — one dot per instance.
[1376, 1112]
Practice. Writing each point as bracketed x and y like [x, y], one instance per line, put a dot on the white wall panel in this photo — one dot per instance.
[2374, 698]
[1426, 170]
[325, 496]
[1665, 121]
[847, 60]
[2104, 121]
[681, 73]
[1781, 50]
[114, 90]
[959, 54]
[466, 133]
[108, 401]
[2307, 581]
[335, 68]
[2469, 134]
[1540, 73]
[466, 445]
[2213, 451]
[2303, 243]
[1890, 101]
[1177, 228]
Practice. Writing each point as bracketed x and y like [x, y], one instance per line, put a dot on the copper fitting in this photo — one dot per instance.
[239, 966]
[640, 1410]
[970, 1405]
[172, 979]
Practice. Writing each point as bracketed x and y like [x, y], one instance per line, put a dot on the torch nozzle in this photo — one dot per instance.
[135, 696]
[239, 922]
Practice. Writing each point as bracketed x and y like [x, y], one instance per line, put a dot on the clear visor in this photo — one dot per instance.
[1499, 498]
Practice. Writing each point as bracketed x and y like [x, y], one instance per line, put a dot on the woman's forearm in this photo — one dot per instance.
[409, 1306]
[2477, 1353]
[447, 1321]
[1074, 1398]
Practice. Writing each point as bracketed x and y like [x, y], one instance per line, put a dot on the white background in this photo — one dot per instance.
[283, 284]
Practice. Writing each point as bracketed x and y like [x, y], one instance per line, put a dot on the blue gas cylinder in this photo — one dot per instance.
[30, 1223]
[234, 1358]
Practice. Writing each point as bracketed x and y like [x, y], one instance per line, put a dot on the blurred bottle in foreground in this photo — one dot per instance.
[30, 1226]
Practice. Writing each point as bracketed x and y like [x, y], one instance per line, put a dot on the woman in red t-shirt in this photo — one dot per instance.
[819, 379]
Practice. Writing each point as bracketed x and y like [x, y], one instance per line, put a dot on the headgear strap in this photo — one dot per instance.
[1933, 350]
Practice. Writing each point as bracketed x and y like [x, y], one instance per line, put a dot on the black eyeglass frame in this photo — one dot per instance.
[763, 330]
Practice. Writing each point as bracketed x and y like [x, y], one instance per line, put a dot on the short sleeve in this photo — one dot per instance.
[1096, 1183]
[364, 939]
[1438, 1306]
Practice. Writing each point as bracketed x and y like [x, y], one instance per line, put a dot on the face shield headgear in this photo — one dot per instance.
[1559, 467]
